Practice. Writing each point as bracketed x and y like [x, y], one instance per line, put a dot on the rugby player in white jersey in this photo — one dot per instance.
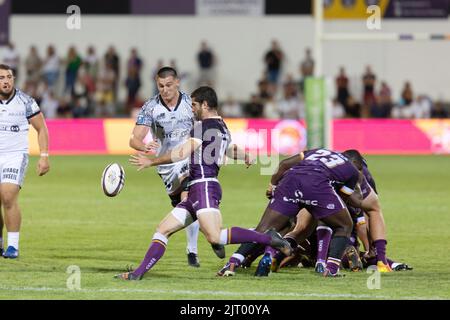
[17, 111]
[169, 117]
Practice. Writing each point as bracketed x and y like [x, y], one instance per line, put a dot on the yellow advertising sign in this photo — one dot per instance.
[351, 9]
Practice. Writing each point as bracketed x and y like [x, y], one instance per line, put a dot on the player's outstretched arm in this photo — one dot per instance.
[38, 123]
[237, 153]
[137, 137]
[176, 154]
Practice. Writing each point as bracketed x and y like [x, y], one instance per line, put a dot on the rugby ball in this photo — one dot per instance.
[113, 179]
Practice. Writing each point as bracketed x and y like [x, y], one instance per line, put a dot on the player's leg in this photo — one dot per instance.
[341, 223]
[271, 219]
[1, 229]
[377, 231]
[192, 230]
[168, 226]
[211, 221]
[324, 234]
[9, 193]
[304, 227]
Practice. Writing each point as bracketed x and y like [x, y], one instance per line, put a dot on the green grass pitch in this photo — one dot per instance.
[68, 221]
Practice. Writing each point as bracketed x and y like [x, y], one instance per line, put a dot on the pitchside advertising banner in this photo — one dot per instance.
[357, 9]
[5, 9]
[262, 137]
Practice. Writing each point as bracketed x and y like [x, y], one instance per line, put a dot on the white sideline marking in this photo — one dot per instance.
[220, 293]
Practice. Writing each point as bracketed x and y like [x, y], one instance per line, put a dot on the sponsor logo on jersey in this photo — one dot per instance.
[16, 114]
[298, 194]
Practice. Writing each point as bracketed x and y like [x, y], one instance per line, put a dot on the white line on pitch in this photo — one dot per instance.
[219, 293]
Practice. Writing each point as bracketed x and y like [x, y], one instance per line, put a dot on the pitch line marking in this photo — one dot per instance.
[218, 293]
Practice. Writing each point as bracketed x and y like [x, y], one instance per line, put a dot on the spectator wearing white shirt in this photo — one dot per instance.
[50, 68]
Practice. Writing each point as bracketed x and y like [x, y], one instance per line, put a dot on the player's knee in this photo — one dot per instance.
[213, 238]
[8, 201]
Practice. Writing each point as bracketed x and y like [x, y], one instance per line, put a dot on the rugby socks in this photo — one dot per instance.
[13, 240]
[337, 248]
[240, 235]
[192, 237]
[380, 250]
[323, 243]
[154, 253]
[237, 259]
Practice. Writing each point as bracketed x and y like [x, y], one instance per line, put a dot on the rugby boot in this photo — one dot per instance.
[264, 264]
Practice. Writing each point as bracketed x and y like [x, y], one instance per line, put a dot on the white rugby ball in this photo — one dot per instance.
[113, 179]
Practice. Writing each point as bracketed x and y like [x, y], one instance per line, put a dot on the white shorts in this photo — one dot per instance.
[13, 168]
[173, 175]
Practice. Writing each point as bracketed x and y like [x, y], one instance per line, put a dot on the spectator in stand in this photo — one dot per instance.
[274, 61]
[352, 108]
[133, 84]
[12, 59]
[134, 62]
[49, 104]
[73, 62]
[422, 107]
[438, 111]
[33, 65]
[91, 63]
[80, 93]
[290, 107]
[271, 109]
[50, 68]
[383, 105]
[369, 80]
[306, 68]
[206, 61]
[254, 109]
[264, 89]
[113, 61]
[342, 84]
[231, 108]
[407, 94]
[64, 108]
[105, 106]
[338, 111]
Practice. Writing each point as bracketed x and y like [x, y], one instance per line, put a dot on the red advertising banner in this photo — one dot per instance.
[371, 136]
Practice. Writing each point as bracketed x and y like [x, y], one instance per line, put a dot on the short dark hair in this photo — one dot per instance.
[206, 94]
[354, 156]
[165, 72]
[6, 67]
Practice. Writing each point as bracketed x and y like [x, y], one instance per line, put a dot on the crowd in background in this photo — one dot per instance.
[86, 85]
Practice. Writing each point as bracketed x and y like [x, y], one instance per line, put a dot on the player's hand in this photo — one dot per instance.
[141, 161]
[152, 146]
[43, 166]
[270, 190]
[249, 159]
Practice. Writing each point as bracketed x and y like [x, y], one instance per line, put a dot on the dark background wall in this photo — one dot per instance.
[125, 7]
